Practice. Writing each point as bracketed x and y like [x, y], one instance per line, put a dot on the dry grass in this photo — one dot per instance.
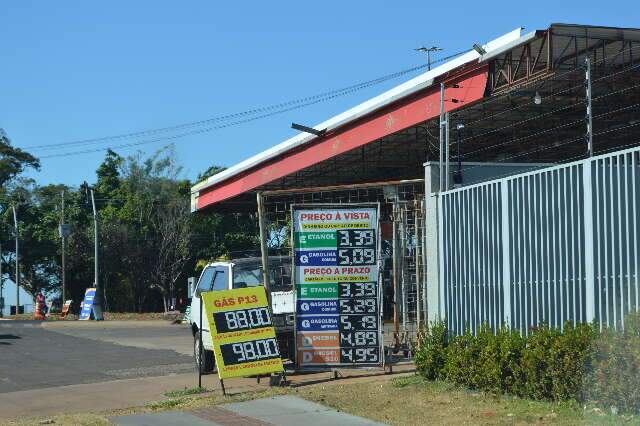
[412, 401]
[402, 401]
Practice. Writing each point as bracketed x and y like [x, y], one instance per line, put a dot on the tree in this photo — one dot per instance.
[13, 160]
[172, 224]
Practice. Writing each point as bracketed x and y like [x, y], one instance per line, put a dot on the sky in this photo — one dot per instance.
[77, 70]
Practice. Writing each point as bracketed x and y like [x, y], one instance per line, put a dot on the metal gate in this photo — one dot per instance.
[549, 246]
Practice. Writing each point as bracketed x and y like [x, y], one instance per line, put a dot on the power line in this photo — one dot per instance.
[268, 110]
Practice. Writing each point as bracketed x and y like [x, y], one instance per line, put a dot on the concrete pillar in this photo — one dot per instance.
[431, 249]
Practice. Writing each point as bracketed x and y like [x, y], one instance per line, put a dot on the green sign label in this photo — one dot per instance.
[315, 239]
[317, 291]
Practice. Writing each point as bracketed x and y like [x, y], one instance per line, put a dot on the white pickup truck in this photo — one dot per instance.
[241, 273]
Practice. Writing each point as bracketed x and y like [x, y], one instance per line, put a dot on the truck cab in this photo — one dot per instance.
[242, 273]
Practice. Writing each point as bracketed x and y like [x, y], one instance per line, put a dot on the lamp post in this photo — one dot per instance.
[1, 285]
[97, 301]
[15, 223]
[428, 51]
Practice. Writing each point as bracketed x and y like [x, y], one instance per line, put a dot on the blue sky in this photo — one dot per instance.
[73, 70]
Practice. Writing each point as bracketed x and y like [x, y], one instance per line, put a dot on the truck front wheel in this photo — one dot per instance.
[208, 361]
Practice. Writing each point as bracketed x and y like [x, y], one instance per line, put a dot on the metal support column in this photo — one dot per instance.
[440, 164]
[446, 152]
[589, 117]
[417, 256]
[264, 253]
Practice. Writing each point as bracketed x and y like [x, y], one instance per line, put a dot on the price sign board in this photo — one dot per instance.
[244, 339]
[336, 254]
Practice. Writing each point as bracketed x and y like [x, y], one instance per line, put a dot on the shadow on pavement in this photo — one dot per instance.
[7, 337]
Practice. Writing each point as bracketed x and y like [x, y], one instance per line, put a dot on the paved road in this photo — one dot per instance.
[36, 355]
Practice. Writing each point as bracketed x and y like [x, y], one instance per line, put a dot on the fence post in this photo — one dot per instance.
[506, 254]
[442, 308]
[589, 268]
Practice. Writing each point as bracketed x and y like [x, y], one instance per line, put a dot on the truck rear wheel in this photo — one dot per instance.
[208, 361]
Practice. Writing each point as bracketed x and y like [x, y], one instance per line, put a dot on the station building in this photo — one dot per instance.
[507, 178]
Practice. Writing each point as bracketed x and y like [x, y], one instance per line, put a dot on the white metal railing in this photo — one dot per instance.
[553, 245]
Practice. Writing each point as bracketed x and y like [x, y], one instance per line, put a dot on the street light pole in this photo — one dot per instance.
[15, 222]
[1, 285]
[63, 237]
[97, 303]
[428, 51]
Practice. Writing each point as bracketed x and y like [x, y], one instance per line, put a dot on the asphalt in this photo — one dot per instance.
[35, 356]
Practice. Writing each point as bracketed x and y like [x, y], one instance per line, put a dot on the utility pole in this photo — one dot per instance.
[63, 235]
[1, 285]
[97, 301]
[97, 304]
[15, 222]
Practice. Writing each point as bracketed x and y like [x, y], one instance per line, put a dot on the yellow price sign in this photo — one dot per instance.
[244, 339]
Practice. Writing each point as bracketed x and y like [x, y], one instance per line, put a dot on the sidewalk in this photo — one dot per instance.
[279, 410]
[119, 394]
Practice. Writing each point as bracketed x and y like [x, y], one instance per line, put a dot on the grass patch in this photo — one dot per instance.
[186, 392]
[413, 400]
[399, 401]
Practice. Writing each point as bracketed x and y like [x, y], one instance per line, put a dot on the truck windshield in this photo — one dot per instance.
[250, 275]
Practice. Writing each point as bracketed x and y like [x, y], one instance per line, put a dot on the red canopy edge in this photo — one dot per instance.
[401, 115]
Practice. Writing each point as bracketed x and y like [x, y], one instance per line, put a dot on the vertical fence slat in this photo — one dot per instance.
[587, 211]
[627, 230]
[635, 222]
[506, 250]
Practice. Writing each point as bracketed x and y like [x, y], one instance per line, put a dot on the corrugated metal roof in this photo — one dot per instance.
[420, 82]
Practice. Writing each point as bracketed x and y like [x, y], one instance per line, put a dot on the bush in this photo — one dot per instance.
[431, 352]
[547, 364]
[571, 357]
[499, 361]
[536, 374]
[460, 363]
[614, 377]
[576, 364]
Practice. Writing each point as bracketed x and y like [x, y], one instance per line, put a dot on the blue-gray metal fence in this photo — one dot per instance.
[552, 245]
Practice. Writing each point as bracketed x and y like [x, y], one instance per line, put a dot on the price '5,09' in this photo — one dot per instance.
[356, 256]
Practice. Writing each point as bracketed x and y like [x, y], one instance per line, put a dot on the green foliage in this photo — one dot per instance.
[13, 161]
[536, 367]
[547, 364]
[614, 377]
[499, 359]
[571, 356]
[149, 241]
[431, 352]
[459, 363]
[577, 364]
